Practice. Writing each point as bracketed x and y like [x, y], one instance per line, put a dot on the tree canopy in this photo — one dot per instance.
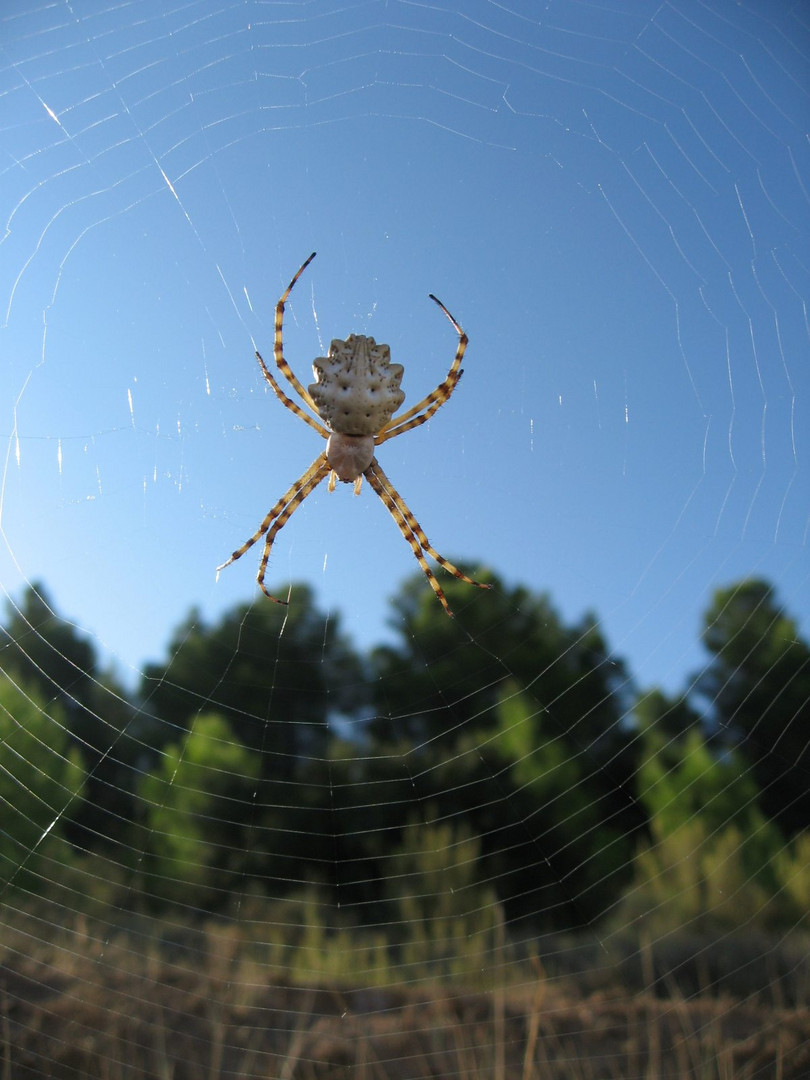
[757, 694]
[275, 673]
[508, 728]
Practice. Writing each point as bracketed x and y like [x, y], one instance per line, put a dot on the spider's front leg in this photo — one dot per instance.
[415, 416]
[278, 341]
[278, 517]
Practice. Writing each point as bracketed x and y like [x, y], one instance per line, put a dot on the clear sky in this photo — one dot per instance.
[613, 199]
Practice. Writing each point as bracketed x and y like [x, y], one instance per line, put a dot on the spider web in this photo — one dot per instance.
[352, 833]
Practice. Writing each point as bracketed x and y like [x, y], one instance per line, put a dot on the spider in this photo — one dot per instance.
[355, 394]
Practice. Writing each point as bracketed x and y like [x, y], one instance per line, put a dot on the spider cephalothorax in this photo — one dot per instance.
[356, 393]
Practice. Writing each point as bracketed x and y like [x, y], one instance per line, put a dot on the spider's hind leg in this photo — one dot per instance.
[278, 517]
[414, 533]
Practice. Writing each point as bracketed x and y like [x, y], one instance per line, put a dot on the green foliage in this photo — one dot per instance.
[40, 779]
[792, 869]
[447, 923]
[712, 861]
[276, 689]
[521, 735]
[48, 655]
[666, 719]
[699, 880]
[757, 688]
[448, 700]
[185, 803]
[689, 879]
[306, 940]
[575, 835]
[431, 683]
[712, 785]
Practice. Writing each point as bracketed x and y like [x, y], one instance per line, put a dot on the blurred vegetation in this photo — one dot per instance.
[188, 803]
[442, 786]
[40, 778]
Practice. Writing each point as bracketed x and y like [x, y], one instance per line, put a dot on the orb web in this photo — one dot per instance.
[563, 833]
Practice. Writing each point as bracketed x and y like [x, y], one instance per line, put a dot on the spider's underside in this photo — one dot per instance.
[355, 395]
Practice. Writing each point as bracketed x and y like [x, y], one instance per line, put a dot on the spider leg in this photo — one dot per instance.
[413, 532]
[401, 428]
[398, 425]
[278, 517]
[313, 423]
[278, 344]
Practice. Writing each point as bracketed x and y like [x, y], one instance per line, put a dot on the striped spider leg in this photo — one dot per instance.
[400, 424]
[414, 533]
[397, 507]
[278, 517]
[354, 397]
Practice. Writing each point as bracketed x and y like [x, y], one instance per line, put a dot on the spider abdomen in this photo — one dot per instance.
[349, 455]
[356, 388]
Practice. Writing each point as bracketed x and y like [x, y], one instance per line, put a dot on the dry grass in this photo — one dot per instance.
[118, 1011]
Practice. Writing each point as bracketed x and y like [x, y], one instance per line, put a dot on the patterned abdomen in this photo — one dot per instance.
[356, 388]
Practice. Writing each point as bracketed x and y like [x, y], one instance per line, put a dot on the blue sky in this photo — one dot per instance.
[612, 199]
